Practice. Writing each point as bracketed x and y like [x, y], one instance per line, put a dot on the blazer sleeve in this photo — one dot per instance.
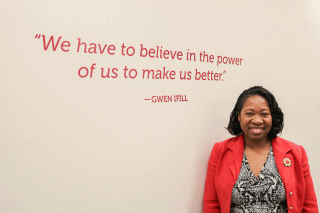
[210, 200]
[310, 201]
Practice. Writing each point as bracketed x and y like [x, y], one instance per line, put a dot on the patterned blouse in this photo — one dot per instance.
[264, 194]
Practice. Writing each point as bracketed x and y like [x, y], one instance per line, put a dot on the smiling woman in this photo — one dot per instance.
[250, 172]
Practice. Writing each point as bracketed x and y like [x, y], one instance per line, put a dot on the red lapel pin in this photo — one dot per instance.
[287, 162]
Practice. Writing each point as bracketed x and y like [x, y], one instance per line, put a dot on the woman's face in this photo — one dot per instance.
[255, 118]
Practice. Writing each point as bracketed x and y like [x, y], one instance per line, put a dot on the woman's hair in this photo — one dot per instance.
[276, 113]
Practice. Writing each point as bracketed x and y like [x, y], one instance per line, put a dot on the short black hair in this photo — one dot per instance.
[276, 113]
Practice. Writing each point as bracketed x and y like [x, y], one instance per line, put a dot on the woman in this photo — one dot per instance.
[256, 171]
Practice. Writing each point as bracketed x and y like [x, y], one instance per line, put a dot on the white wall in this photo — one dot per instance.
[72, 144]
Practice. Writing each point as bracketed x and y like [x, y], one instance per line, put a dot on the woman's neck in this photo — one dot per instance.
[257, 145]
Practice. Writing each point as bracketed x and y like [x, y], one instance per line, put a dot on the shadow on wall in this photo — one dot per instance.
[203, 152]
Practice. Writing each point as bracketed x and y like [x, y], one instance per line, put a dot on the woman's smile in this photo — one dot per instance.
[256, 130]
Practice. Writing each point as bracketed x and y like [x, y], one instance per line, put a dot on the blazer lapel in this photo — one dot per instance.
[235, 154]
[281, 150]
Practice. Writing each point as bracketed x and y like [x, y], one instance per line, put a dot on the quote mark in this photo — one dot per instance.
[37, 36]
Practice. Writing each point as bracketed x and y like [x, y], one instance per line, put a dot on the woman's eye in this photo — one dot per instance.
[249, 113]
[265, 114]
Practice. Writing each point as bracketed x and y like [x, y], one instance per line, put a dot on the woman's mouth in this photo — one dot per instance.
[256, 130]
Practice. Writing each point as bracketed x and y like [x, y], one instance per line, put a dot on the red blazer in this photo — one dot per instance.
[225, 164]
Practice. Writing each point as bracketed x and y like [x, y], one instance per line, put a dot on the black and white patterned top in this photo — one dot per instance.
[264, 194]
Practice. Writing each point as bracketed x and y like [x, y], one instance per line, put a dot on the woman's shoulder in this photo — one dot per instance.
[289, 145]
[220, 146]
[225, 142]
[285, 142]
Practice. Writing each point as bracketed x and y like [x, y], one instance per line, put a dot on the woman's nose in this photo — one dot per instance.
[257, 119]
